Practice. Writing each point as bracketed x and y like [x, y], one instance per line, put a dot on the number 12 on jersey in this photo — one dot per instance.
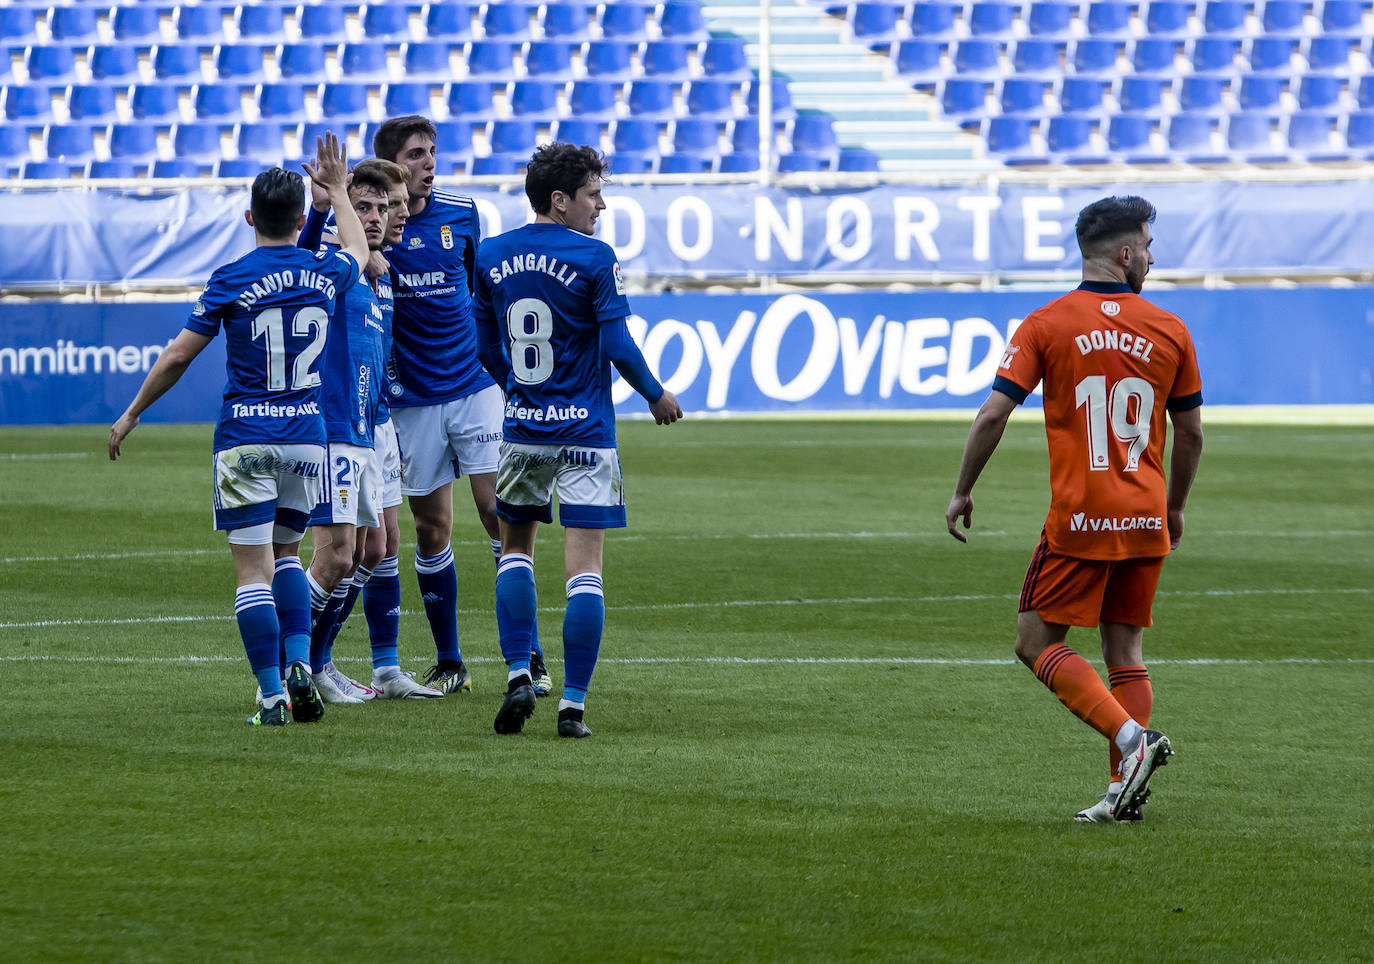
[1129, 408]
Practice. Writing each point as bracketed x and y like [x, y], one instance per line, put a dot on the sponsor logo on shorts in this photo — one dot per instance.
[489, 437]
[528, 460]
[261, 464]
[579, 457]
[1079, 522]
[1111, 309]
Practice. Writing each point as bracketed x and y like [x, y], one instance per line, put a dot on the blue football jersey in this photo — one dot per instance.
[354, 365]
[434, 342]
[549, 289]
[274, 305]
[387, 302]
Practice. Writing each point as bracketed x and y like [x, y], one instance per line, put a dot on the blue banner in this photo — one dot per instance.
[932, 349]
[736, 230]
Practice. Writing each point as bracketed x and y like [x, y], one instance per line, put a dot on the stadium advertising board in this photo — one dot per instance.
[739, 230]
[67, 363]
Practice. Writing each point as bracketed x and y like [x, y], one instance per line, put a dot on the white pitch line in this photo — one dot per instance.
[109, 556]
[47, 456]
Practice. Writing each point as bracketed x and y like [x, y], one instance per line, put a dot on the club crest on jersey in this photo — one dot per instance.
[1111, 309]
[619, 279]
[446, 237]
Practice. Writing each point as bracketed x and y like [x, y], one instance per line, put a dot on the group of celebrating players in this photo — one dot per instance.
[397, 354]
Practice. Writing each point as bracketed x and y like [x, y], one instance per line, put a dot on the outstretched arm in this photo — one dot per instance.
[166, 371]
[1183, 463]
[983, 437]
[625, 355]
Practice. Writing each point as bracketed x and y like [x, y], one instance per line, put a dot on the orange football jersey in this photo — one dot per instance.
[1111, 364]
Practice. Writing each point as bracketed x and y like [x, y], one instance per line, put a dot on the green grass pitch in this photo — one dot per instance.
[811, 740]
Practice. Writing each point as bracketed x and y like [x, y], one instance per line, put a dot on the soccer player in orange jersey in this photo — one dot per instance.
[1112, 364]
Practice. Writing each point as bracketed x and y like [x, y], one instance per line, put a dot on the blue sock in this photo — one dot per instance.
[582, 624]
[534, 628]
[256, 611]
[382, 607]
[353, 587]
[439, 589]
[516, 606]
[292, 592]
[325, 624]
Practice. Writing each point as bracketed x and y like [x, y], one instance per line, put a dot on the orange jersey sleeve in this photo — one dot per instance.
[1111, 364]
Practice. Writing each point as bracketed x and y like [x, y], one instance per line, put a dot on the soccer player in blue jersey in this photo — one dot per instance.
[445, 407]
[550, 308]
[273, 305]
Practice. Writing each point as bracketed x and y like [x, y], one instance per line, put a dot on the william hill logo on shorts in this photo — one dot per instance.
[1079, 522]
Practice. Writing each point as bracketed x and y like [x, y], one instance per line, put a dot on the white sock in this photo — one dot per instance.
[570, 705]
[519, 672]
[383, 673]
[1128, 734]
[269, 702]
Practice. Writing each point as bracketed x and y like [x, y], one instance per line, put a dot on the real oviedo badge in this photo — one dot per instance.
[446, 237]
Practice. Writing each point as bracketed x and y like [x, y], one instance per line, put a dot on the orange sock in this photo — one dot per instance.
[1131, 687]
[1079, 688]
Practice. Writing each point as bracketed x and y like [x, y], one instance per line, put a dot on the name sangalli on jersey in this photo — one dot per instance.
[279, 281]
[547, 264]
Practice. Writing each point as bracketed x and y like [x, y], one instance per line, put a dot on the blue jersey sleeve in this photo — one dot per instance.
[205, 314]
[310, 235]
[340, 267]
[625, 355]
[490, 344]
[608, 290]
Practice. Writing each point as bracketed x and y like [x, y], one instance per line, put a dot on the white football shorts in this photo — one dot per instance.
[440, 443]
[389, 461]
[353, 488]
[268, 488]
[587, 481]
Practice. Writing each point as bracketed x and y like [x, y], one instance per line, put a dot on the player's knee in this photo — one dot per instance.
[1027, 650]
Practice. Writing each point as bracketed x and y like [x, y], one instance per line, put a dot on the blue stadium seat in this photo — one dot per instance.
[301, 62]
[991, 18]
[1249, 135]
[1141, 95]
[694, 135]
[1081, 95]
[783, 108]
[1259, 92]
[1051, 19]
[27, 104]
[344, 103]
[454, 142]
[1359, 134]
[470, 101]
[308, 134]
[113, 64]
[72, 144]
[715, 99]
[579, 131]
[873, 22]
[1069, 138]
[593, 99]
[635, 135]
[633, 162]
[683, 21]
[260, 23]
[1037, 58]
[285, 101]
[1214, 54]
[262, 142]
[506, 21]
[449, 22]
[686, 163]
[652, 99]
[239, 167]
[1010, 138]
[535, 99]
[549, 60]
[179, 63]
[94, 103]
[801, 162]
[919, 62]
[18, 26]
[724, 58]
[1284, 17]
[155, 103]
[512, 137]
[1169, 18]
[1201, 93]
[568, 22]
[738, 162]
[1364, 92]
[934, 20]
[963, 96]
[491, 59]
[386, 22]
[1190, 138]
[498, 164]
[1271, 54]
[199, 142]
[1129, 138]
[1320, 92]
[133, 23]
[857, 159]
[115, 169]
[218, 102]
[427, 60]
[1343, 17]
[14, 146]
[51, 64]
[136, 143]
[977, 58]
[400, 100]
[1225, 18]
[815, 133]
[242, 63]
[322, 23]
[199, 24]
[1328, 53]
[1022, 95]
[45, 171]
[1094, 58]
[1108, 18]
[1154, 56]
[177, 167]
[608, 60]
[73, 25]
[744, 135]
[625, 21]
[363, 61]
[1308, 134]
[665, 60]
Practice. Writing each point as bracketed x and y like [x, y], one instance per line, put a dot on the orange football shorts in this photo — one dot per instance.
[1085, 592]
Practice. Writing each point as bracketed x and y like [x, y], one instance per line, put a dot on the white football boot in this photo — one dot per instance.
[350, 686]
[402, 686]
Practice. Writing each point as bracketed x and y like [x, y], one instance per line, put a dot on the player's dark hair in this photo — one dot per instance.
[370, 177]
[277, 203]
[1104, 223]
[389, 171]
[561, 167]
[394, 133]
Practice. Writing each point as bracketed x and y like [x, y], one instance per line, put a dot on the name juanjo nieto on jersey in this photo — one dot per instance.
[279, 281]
